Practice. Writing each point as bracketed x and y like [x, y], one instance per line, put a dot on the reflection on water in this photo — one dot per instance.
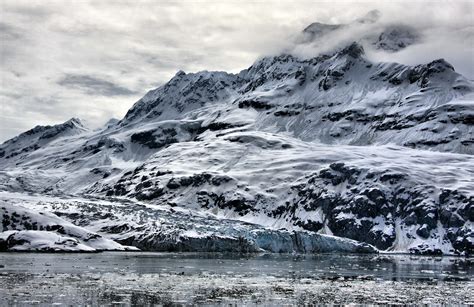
[162, 278]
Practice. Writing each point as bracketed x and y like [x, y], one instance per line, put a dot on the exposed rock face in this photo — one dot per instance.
[380, 153]
[377, 205]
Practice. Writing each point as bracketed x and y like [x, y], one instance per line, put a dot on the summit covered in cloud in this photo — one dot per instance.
[366, 30]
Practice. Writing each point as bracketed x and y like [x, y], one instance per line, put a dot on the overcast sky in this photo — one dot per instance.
[94, 59]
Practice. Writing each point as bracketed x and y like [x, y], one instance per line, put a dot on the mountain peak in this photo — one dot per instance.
[441, 64]
[396, 37]
[317, 30]
[320, 29]
[74, 121]
[371, 17]
[354, 50]
[180, 73]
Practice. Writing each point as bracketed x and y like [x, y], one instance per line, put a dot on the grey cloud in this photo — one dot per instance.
[29, 10]
[7, 32]
[94, 86]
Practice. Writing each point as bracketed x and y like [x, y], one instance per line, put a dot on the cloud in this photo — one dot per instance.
[8, 32]
[94, 86]
[444, 30]
[94, 59]
[454, 44]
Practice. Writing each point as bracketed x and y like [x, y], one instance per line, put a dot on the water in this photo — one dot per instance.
[127, 278]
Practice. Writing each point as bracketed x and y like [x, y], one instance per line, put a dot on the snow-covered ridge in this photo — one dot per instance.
[341, 98]
[39, 136]
[301, 148]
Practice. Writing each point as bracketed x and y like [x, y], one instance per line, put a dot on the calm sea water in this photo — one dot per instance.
[127, 278]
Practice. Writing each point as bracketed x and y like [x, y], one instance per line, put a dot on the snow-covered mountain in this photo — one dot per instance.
[40, 136]
[313, 153]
